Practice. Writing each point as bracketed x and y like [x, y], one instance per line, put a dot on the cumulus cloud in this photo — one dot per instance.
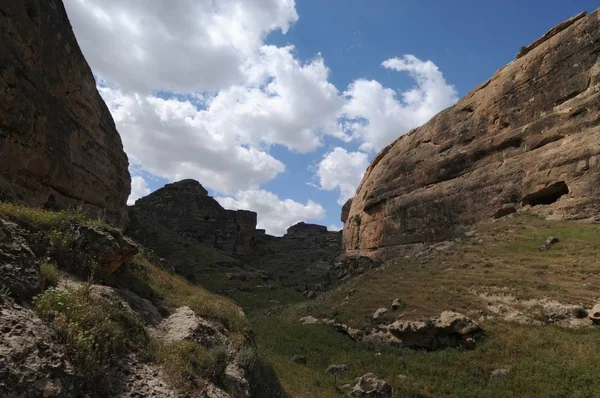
[139, 189]
[274, 214]
[183, 46]
[343, 170]
[170, 138]
[334, 227]
[377, 115]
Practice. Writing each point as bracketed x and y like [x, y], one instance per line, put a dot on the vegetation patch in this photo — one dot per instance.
[95, 332]
[187, 364]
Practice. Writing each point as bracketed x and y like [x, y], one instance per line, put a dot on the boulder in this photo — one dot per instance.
[594, 314]
[379, 312]
[59, 146]
[370, 386]
[336, 369]
[184, 324]
[529, 137]
[548, 243]
[450, 329]
[108, 247]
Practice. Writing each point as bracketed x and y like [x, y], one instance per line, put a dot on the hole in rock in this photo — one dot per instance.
[547, 195]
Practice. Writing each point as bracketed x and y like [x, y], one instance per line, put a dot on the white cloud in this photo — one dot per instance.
[377, 115]
[171, 138]
[183, 46]
[334, 227]
[343, 170]
[139, 189]
[274, 214]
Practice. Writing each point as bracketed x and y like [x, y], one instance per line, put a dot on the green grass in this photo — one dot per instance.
[546, 362]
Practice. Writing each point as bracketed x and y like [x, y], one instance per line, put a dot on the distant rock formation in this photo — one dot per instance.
[58, 143]
[186, 208]
[527, 139]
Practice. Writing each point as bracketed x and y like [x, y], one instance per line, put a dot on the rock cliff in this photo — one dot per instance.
[528, 139]
[186, 208]
[58, 143]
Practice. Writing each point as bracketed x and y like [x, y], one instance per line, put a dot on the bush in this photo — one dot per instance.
[95, 332]
[579, 312]
[185, 362]
[49, 273]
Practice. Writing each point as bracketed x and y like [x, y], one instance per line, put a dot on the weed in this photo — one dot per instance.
[49, 273]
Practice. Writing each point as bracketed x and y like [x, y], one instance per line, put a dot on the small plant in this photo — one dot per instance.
[247, 357]
[579, 312]
[357, 219]
[4, 294]
[49, 273]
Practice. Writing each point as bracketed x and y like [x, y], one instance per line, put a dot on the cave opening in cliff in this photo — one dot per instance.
[547, 195]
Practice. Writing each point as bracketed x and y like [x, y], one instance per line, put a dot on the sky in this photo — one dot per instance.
[278, 106]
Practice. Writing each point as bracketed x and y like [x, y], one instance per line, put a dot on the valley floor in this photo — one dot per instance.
[533, 306]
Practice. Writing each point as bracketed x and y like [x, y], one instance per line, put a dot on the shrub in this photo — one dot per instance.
[49, 273]
[357, 219]
[185, 362]
[95, 332]
[579, 312]
[247, 357]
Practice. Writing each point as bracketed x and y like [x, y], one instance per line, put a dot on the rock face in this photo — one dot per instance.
[58, 143]
[528, 139]
[186, 208]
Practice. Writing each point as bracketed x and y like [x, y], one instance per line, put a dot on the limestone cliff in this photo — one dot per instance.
[528, 139]
[58, 143]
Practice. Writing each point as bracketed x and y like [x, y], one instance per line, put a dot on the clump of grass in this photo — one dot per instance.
[49, 273]
[46, 218]
[579, 312]
[247, 357]
[95, 332]
[186, 363]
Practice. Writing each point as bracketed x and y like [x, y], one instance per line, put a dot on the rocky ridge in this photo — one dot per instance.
[528, 139]
[59, 147]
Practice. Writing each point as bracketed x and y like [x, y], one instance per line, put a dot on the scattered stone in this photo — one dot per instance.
[548, 244]
[396, 304]
[380, 312]
[336, 369]
[594, 314]
[301, 359]
[308, 320]
[500, 373]
[370, 386]
[403, 377]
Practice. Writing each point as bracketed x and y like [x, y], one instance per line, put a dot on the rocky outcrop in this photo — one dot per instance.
[32, 362]
[527, 139]
[371, 386]
[59, 146]
[186, 208]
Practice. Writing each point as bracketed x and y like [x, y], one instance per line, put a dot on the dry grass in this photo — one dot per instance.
[45, 218]
[502, 258]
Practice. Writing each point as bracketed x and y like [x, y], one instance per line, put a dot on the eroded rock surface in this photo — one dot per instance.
[529, 137]
[58, 143]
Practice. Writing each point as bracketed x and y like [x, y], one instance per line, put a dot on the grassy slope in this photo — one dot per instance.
[546, 361]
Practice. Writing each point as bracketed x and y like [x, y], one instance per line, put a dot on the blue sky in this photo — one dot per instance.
[276, 105]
